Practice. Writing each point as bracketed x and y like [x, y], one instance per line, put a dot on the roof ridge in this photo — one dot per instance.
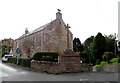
[37, 29]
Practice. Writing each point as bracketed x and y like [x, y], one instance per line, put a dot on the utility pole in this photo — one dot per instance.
[115, 42]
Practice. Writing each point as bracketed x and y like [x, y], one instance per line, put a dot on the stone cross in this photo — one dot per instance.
[68, 36]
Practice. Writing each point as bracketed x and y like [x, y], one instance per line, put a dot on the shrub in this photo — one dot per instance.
[84, 57]
[108, 56]
[97, 66]
[103, 63]
[115, 61]
[47, 56]
[119, 60]
[12, 60]
[25, 62]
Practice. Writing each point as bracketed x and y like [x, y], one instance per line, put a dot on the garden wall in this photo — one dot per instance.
[55, 67]
[42, 66]
[69, 61]
[107, 68]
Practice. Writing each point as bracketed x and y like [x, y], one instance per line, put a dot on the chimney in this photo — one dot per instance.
[58, 14]
[26, 31]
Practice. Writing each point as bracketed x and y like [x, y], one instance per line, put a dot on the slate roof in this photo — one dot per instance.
[38, 29]
[48, 25]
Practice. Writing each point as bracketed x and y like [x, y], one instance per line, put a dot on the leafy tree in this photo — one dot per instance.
[88, 47]
[84, 57]
[77, 46]
[6, 46]
[98, 46]
[111, 44]
[119, 44]
[118, 48]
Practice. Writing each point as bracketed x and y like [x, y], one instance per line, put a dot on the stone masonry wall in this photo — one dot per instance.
[69, 61]
[53, 38]
[55, 68]
[49, 67]
[107, 68]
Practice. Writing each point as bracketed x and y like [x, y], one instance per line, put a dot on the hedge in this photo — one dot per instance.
[45, 56]
[25, 62]
[12, 60]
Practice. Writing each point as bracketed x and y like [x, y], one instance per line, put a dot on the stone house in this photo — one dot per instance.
[54, 36]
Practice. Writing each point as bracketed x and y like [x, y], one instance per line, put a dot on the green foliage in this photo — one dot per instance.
[12, 60]
[6, 46]
[101, 64]
[84, 57]
[98, 46]
[88, 47]
[108, 56]
[47, 56]
[110, 44]
[97, 61]
[119, 47]
[77, 46]
[97, 66]
[115, 60]
[88, 44]
[25, 62]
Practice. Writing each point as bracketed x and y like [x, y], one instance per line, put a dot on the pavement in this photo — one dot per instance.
[11, 73]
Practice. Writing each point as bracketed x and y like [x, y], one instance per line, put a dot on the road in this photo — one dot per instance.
[9, 73]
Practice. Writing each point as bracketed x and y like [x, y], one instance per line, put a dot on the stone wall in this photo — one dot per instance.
[49, 67]
[111, 68]
[53, 38]
[69, 61]
[56, 68]
[107, 68]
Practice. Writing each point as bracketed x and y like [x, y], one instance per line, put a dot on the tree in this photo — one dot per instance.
[77, 46]
[98, 46]
[88, 47]
[118, 48]
[111, 44]
[84, 57]
[6, 46]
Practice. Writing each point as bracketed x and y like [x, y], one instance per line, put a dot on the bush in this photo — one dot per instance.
[25, 62]
[108, 56]
[97, 66]
[47, 56]
[115, 61]
[103, 63]
[12, 60]
[84, 57]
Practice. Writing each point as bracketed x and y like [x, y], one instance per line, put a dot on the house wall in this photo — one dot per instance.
[53, 38]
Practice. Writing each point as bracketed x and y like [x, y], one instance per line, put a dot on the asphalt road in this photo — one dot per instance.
[9, 73]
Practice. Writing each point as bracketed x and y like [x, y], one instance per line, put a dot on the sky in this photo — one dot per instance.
[85, 17]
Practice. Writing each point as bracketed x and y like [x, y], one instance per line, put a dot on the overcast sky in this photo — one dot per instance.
[86, 17]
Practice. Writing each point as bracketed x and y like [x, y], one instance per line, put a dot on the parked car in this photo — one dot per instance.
[5, 58]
